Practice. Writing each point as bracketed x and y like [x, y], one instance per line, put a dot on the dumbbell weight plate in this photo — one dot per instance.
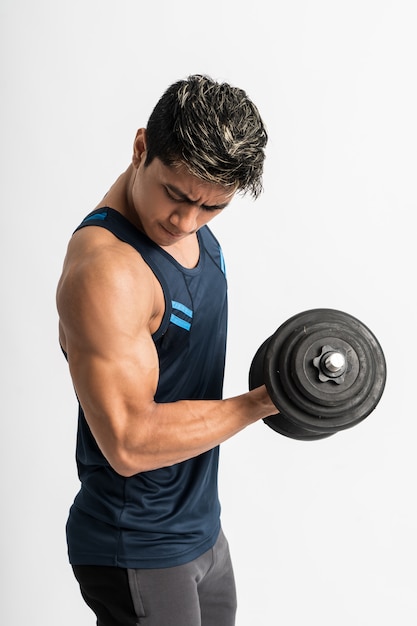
[278, 422]
[310, 398]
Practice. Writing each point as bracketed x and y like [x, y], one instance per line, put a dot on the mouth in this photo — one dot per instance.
[172, 235]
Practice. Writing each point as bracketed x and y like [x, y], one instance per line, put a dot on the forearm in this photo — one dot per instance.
[164, 434]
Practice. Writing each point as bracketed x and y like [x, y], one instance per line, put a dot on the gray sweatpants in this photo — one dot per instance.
[199, 593]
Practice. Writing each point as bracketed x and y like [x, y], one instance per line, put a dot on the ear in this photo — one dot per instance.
[139, 147]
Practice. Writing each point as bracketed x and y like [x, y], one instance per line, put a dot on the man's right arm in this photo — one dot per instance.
[108, 301]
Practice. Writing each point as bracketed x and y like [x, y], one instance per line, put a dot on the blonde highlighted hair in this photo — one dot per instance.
[212, 128]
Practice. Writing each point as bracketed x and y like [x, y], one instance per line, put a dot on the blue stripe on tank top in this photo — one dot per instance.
[181, 307]
[179, 321]
[222, 263]
[97, 216]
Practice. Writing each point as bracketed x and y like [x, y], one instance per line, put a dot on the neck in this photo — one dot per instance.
[117, 196]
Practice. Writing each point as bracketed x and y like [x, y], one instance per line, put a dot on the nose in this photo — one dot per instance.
[184, 218]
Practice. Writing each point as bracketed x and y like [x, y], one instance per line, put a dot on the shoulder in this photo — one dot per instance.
[96, 256]
[104, 278]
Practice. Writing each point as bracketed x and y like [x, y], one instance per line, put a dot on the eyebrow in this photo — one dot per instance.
[183, 196]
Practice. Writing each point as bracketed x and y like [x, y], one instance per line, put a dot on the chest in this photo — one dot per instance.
[189, 298]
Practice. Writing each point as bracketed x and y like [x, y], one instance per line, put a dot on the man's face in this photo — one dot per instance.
[171, 204]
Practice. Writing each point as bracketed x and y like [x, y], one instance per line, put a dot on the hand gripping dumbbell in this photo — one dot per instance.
[324, 370]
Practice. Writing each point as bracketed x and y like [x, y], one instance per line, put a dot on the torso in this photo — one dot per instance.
[200, 296]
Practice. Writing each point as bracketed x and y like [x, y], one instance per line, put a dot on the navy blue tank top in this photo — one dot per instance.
[169, 516]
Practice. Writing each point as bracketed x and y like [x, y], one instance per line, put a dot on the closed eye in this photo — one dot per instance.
[173, 197]
[177, 196]
[211, 209]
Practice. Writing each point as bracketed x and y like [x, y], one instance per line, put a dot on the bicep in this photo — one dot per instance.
[105, 320]
[115, 376]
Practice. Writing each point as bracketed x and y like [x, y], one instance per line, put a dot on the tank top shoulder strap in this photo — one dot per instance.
[212, 248]
[116, 223]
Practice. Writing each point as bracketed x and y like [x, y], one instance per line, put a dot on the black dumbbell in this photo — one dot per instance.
[324, 370]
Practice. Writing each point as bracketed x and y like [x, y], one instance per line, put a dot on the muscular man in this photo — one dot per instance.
[142, 304]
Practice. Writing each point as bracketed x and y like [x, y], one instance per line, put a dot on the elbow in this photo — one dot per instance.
[124, 465]
[127, 464]
[129, 453]
[124, 470]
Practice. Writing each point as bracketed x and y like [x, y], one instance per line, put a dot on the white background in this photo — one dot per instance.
[323, 532]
